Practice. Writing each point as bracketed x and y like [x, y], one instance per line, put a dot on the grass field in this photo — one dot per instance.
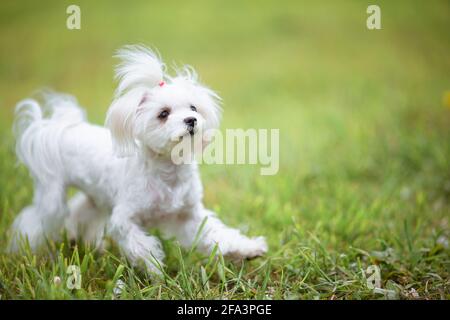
[364, 119]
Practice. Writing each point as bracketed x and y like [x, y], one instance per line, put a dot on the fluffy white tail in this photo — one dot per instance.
[38, 131]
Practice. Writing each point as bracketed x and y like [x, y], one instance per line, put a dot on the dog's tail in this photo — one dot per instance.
[39, 128]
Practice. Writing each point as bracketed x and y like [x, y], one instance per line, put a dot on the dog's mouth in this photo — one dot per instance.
[190, 132]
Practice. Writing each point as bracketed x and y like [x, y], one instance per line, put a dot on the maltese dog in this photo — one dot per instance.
[126, 179]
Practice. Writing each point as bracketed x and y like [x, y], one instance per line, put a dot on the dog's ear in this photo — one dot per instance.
[209, 101]
[121, 121]
[140, 70]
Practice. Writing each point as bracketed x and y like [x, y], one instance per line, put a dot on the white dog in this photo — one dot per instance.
[126, 178]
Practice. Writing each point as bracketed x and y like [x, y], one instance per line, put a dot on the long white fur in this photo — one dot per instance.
[139, 67]
[126, 178]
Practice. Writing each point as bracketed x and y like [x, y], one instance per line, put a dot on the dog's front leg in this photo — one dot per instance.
[136, 245]
[204, 226]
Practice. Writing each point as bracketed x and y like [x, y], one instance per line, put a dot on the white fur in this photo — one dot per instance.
[126, 178]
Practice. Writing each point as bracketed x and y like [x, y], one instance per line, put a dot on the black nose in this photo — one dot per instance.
[191, 122]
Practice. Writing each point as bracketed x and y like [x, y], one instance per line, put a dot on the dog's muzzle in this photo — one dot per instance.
[191, 122]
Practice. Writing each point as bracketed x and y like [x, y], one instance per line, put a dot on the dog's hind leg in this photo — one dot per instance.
[27, 227]
[43, 220]
[85, 220]
[39, 142]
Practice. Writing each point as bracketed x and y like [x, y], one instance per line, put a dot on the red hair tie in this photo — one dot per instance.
[161, 83]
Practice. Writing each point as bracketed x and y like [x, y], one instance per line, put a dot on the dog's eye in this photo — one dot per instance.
[193, 108]
[163, 114]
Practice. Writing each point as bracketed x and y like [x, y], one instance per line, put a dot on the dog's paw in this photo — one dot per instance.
[249, 248]
[146, 252]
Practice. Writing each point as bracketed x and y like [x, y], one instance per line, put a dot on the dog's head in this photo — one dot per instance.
[155, 111]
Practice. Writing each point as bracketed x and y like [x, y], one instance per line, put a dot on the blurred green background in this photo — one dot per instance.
[364, 119]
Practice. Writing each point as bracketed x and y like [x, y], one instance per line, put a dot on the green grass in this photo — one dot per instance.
[364, 142]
